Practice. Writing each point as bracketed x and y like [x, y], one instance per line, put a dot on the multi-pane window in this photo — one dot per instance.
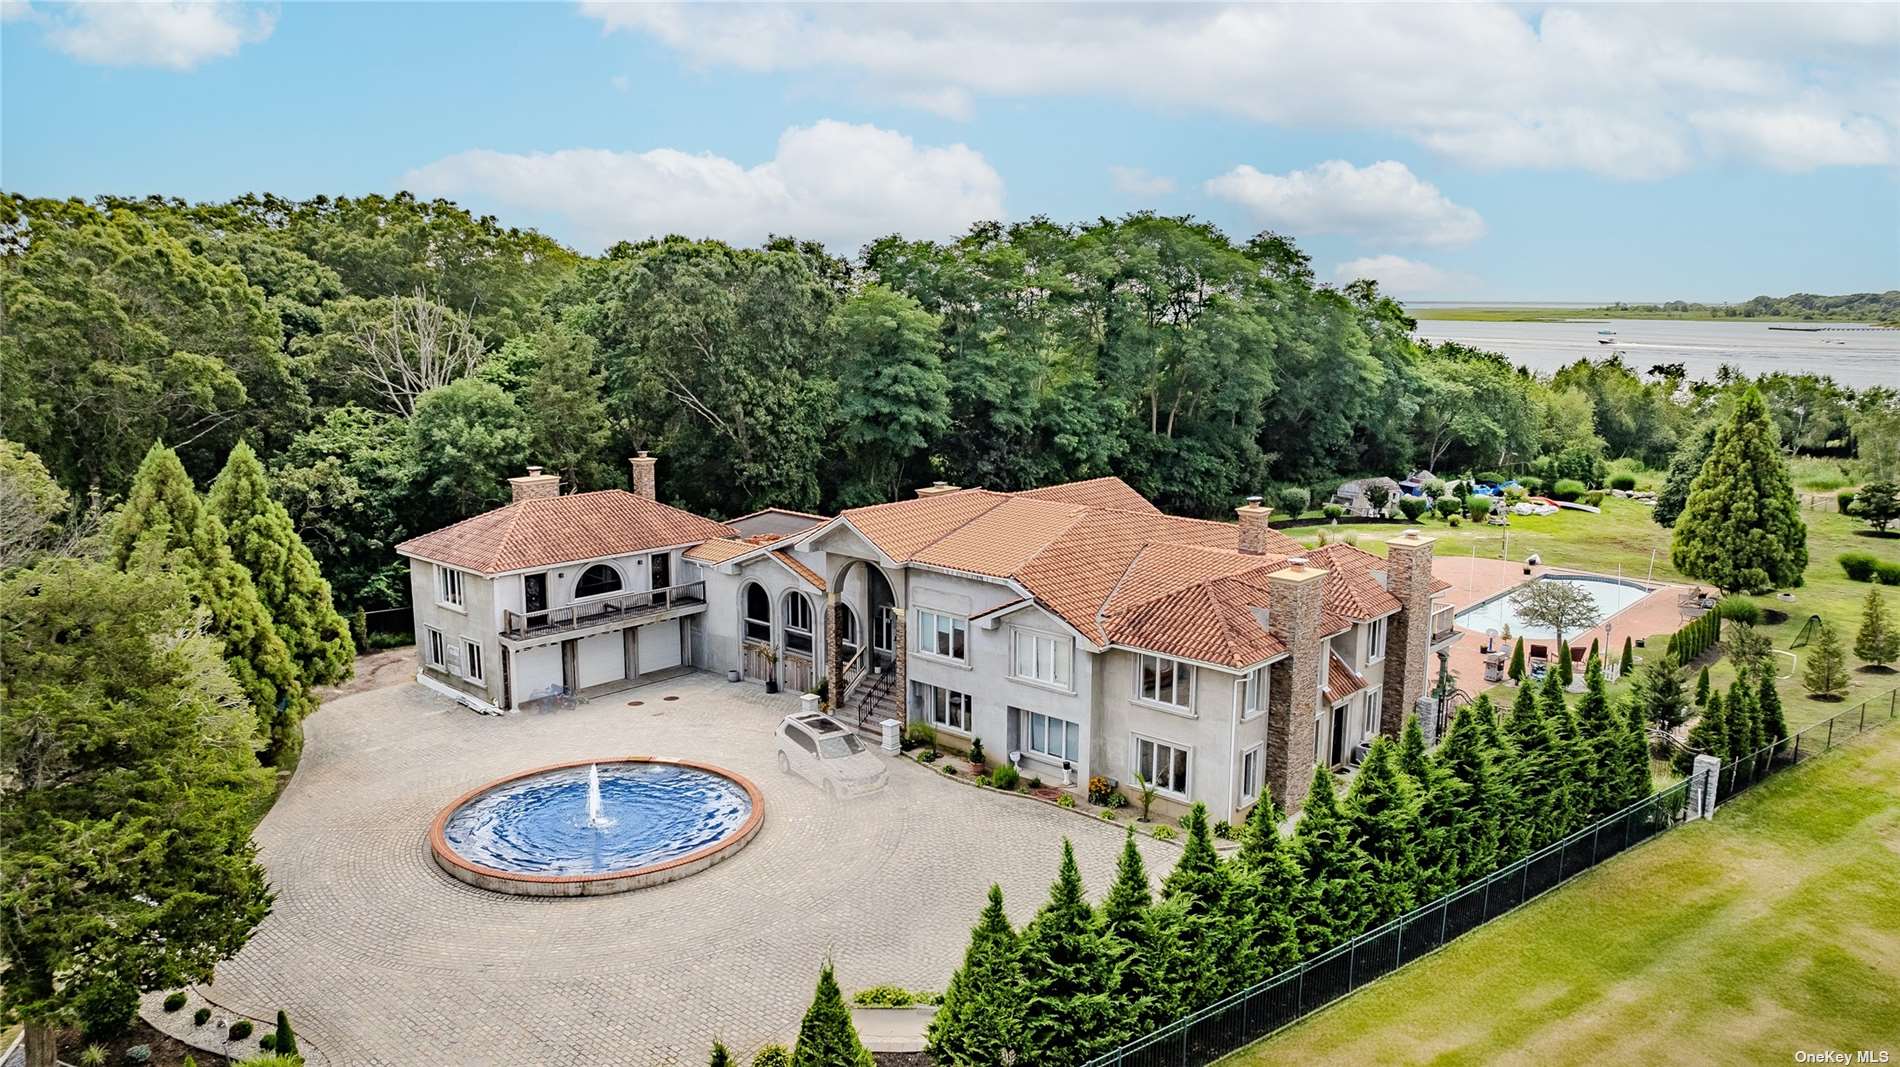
[1253, 693]
[758, 614]
[848, 630]
[942, 635]
[597, 580]
[471, 661]
[1375, 640]
[448, 586]
[1056, 738]
[1250, 771]
[798, 619]
[1369, 712]
[942, 707]
[1165, 681]
[1162, 765]
[438, 649]
[1041, 657]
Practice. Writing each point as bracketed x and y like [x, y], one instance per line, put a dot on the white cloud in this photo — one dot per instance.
[1384, 201]
[949, 102]
[1623, 90]
[173, 34]
[839, 183]
[1406, 277]
[14, 9]
[621, 83]
[1135, 181]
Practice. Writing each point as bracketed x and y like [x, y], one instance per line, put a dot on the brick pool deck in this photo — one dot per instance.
[380, 958]
[1476, 580]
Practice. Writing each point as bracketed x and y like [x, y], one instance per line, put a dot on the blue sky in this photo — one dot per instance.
[1505, 153]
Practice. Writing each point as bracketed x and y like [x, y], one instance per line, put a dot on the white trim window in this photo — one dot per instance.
[1375, 640]
[756, 611]
[946, 709]
[1317, 716]
[1164, 681]
[1163, 765]
[1039, 657]
[943, 635]
[1369, 712]
[798, 622]
[1252, 765]
[448, 587]
[1057, 739]
[438, 649]
[471, 661]
[1254, 691]
[847, 630]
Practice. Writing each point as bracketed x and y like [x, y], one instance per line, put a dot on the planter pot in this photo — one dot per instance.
[732, 676]
[771, 685]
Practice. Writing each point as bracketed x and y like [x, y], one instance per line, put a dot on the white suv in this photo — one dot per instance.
[826, 753]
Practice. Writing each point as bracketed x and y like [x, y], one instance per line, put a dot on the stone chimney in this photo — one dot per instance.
[535, 485]
[645, 481]
[937, 489]
[1296, 592]
[1253, 526]
[1408, 635]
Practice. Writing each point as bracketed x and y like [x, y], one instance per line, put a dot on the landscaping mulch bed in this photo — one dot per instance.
[166, 1051]
[903, 1059]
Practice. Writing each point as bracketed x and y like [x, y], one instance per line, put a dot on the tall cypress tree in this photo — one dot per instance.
[1335, 869]
[1514, 827]
[1628, 662]
[1412, 757]
[1569, 760]
[1637, 779]
[1709, 735]
[977, 1022]
[164, 522]
[1742, 723]
[1128, 943]
[1702, 688]
[1382, 811]
[1773, 723]
[1541, 783]
[1067, 1017]
[1877, 641]
[826, 1037]
[1516, 670]
[1598, 743]
[1470, 789]
[1199, 881]
[1279, 889]
[1741, 528]
[721, 1055]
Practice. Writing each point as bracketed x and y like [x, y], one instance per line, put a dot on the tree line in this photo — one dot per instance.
[1079, 980]
[392, 361]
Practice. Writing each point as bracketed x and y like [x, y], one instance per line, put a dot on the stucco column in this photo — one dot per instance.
[834, 645]
[1408, 561]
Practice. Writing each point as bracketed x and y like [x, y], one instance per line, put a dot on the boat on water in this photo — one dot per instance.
[1606, 337]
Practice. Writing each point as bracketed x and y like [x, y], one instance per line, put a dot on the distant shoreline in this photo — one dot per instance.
[1483, 313]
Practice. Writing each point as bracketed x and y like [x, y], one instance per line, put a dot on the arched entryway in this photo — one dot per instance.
[865, 679]
[756, 649]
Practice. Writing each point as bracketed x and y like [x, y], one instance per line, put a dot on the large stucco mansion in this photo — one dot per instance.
[1074, 628]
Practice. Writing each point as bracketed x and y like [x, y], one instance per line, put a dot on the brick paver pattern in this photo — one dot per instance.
[382, 959]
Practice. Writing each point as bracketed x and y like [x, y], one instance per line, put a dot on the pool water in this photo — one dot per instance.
[1611, 596]
[651, 813]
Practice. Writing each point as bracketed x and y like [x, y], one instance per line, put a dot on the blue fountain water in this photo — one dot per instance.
[647, 813]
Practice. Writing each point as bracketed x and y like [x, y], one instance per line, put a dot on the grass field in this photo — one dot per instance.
[1773, 928]
[1625, 536]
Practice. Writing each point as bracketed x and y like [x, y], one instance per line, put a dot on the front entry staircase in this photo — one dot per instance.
[873, 702]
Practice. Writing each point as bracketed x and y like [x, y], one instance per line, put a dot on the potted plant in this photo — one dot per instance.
[771, 669]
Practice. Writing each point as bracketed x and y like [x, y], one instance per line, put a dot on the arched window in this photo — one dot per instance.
[758, 613]
[596, 580]
[848, 630]
[798, 622]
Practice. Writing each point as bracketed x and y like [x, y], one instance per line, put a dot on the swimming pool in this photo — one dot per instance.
[1610, 594]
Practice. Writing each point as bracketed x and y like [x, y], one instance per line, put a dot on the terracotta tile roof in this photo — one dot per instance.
[1109, 492]
[719, 550]
[1215, 620]
[561, 529]
[1341, 681]
[788, 512]
[1439, 585]
[1000, 540]
[903, 528]
[792, 564]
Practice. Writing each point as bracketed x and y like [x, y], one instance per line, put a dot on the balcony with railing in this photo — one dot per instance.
[1444, 623]
[623, 609]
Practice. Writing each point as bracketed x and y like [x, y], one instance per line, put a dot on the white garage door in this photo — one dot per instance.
[602, 658]
[537, 672]
[659, 645]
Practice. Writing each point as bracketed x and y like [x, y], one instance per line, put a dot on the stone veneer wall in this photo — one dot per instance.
[1294, 682]
[645, 477]
[1408, 637]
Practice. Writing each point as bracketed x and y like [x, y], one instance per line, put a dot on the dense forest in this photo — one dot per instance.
[393, 361]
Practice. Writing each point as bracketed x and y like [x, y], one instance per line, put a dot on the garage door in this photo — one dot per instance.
[659, 646]
[602, 658]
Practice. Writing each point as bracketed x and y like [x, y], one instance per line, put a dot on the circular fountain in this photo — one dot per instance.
[588, 827]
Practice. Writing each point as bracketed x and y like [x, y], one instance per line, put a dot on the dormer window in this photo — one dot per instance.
[597, 580]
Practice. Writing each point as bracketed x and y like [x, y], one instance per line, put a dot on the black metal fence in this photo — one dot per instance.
[1225, 1027]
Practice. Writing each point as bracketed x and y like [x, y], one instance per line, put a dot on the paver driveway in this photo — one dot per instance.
[381, 959]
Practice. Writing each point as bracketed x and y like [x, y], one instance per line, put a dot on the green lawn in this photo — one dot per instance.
[1625, 536]
[1773, 928]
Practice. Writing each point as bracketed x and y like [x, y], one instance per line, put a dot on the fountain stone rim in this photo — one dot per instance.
[519, 883]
